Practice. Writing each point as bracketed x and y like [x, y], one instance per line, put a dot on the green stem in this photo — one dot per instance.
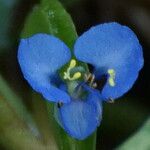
[42, 120]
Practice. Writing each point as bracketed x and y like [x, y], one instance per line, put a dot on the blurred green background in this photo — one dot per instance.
[120, 120]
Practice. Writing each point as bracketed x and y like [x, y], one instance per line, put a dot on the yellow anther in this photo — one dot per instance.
[77, 75]
[111, 72]
[72, 63]
[67, 74]
[111, 78]
[111, 81]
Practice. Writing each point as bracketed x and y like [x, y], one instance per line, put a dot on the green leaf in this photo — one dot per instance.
[51, 18]
[140, 140]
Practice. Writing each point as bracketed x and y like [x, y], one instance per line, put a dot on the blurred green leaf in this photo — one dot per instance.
[15, 135]
[18, 131]
[6, 9]
[140, 140]
[42, 119]
[50, 17]
[15, 103]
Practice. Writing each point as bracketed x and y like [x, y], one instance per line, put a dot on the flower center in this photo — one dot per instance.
[76, 87]
[72, 75]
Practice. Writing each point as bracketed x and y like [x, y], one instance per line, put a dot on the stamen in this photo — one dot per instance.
[111, 78]
[94, 85]
[90, 79]
[72, 63]
[77, 75]
[87, 76]
[67, 75]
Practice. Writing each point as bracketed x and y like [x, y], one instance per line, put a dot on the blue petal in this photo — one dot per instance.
[40, 57]
[112, 46]
[80, 118]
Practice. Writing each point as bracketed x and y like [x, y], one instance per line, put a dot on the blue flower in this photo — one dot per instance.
[116, 56]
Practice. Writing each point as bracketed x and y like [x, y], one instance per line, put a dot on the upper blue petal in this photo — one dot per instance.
[111, 46]
[40, 57]
[80, 118]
